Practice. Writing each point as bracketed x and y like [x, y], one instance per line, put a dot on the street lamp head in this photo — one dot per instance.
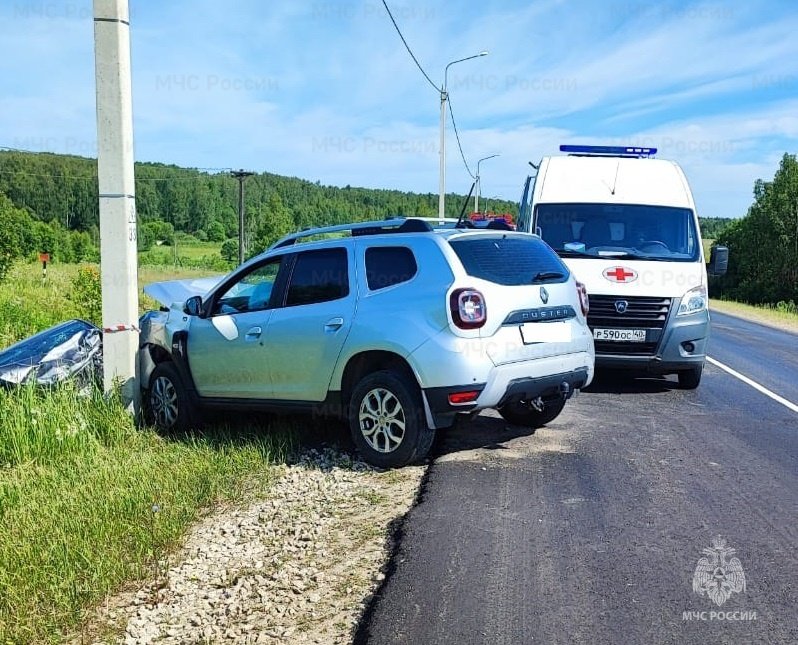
[459, 60]
[485, 159]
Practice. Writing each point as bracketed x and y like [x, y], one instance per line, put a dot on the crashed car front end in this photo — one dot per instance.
[70, 350]
[158, 328]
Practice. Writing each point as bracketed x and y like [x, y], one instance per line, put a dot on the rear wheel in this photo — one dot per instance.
[168, 405]
[690, 379]
[386, 419]
[524, 414]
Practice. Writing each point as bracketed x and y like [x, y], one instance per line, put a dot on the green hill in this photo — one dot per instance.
[63, 189]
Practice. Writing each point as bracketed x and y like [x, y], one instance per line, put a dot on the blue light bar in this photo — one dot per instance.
[623, 151]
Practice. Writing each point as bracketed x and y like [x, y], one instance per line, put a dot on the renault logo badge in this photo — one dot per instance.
[544, 295]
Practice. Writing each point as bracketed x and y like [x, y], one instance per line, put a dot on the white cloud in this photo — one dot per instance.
[325, 90]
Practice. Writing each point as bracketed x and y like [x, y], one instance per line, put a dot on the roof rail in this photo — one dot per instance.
[376, 227]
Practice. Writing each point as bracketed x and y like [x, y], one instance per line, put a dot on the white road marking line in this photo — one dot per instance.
[761, 388]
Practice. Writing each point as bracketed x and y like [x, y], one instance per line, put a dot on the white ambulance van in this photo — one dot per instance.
[626, 224]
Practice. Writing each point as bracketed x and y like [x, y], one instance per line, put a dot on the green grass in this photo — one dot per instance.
[88, 502]
[783, 315]
[79, 482]
[29, 305]
[198, 255]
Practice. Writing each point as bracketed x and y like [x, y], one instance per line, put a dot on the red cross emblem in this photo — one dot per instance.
[620, 274]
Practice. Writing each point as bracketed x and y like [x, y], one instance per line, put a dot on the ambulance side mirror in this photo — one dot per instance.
[718, 261]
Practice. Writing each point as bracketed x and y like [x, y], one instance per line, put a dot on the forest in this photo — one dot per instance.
[763, 245]
[61, 192]
[49, 203]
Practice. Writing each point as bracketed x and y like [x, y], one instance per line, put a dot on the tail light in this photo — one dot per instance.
[584, 300]
[468, 308]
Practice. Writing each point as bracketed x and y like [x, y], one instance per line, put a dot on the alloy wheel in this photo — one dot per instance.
[382, 420]
[163, 401]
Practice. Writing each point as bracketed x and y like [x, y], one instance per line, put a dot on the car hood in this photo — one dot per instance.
[178, 291]
[69, 349]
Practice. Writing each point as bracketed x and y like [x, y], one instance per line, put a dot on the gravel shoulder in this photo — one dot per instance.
[298, 566]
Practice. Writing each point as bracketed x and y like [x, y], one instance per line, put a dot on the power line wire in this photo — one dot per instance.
[409, 51]
[457, 136]
[25, 173]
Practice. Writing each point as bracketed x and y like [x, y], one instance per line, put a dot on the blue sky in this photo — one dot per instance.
[325, 91]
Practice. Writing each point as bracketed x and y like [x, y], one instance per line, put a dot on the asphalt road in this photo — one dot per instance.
[590, 530]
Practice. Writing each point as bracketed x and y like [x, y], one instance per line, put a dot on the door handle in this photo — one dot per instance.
[254, 333]
[333, 324]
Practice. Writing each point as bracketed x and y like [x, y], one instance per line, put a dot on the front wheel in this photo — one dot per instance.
[386, 419]
[167, 402]
[523, 414]
[690, 379]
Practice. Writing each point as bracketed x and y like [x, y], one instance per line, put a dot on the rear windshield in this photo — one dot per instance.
[510, 260]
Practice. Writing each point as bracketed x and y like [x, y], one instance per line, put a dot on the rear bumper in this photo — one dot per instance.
[673, 352]
[549, 378]
[548, 388]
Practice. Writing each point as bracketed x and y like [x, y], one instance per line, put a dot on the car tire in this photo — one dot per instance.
[525, 415]
[690, 379]
[386, 420]
[167, 403]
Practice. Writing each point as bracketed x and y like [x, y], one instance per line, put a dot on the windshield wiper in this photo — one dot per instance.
[570, 253]
[626, 255]
[638, 256]
[542, 276]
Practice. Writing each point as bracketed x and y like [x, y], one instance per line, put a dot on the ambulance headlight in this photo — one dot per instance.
[693, 301]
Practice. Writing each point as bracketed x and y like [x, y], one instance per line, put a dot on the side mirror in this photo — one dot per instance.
[718, 261]
[193, 306]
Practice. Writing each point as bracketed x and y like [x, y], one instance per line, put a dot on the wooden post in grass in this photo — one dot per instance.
[44, 258]
[118, 261]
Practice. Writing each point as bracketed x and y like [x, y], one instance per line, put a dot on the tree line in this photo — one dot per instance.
[61, 192]
[763, 245]
[49, 203]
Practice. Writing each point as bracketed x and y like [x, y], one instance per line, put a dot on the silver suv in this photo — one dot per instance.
[394, 325]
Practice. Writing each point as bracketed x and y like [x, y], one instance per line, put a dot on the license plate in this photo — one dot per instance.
[546, 332]
[621, 335]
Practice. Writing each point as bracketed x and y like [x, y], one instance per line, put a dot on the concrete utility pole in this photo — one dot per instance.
[118, 260]
[241, 175]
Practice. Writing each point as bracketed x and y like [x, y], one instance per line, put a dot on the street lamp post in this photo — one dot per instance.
[479, 182]
[444, 98]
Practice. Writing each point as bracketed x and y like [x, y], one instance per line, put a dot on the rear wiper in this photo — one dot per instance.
[542, 276]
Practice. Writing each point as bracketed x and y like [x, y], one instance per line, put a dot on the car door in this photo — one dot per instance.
[306, 334]
[226, 349]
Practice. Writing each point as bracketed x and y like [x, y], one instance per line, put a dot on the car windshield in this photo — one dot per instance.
[629, 231]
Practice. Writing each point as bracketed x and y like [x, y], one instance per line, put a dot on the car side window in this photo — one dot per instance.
[389, 265]
[251, 293]
[318, 276]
